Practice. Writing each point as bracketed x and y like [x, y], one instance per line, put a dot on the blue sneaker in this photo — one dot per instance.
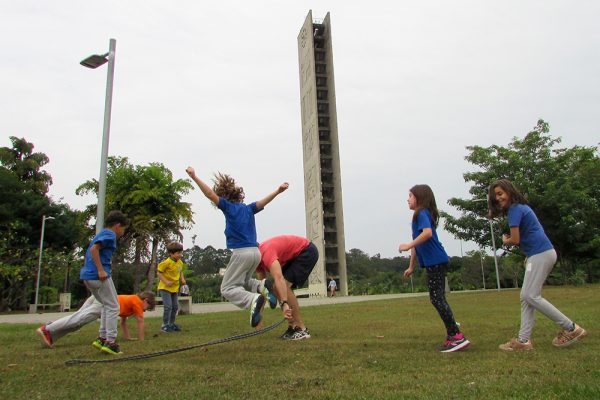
[175, 328]
[166, 329]
[269, 293]
[256, 310]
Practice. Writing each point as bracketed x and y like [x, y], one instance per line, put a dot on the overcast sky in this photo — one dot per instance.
[215, 85]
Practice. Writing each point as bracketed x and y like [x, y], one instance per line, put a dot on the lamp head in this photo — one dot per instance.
[95, 61]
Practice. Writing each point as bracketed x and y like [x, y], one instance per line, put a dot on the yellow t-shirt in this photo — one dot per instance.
[171, 270]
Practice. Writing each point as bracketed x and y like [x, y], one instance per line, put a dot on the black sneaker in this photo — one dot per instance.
[256, 310]
[287, 335]
[175, 328]
[111, 348]
[300, 334]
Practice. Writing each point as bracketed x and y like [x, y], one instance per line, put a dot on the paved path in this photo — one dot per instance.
[202, 308]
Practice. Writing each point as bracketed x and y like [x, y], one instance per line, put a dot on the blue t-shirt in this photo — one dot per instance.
[108, 239]
[431, 252]
[240, 228]
[533, 239]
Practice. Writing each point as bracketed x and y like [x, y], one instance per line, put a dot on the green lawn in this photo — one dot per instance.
[370, 350]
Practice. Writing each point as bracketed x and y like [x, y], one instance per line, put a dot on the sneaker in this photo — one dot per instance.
[287, 335]
[256, 310]
[111, 348]
[166, 329]
[175, 328]
[514, 344]
[45, 336]
[300, 334]
[567, 338]
[269, 294]
[99, 343]
[454, 343]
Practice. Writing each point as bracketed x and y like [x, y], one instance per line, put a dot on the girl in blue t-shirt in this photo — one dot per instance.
[427, 248]
[527, 233]
[240, 232]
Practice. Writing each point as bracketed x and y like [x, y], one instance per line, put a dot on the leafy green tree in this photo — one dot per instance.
[22, 205]
[562, 186]
[152, 199]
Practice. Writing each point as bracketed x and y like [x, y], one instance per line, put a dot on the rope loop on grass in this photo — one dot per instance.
[177, 350]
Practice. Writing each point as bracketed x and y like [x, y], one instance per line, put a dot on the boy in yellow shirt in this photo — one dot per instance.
[170, 275]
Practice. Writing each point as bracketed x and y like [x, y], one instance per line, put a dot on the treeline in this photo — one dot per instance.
[562, 185]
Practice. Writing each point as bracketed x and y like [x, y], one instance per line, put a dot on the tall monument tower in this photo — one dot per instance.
[322, 179]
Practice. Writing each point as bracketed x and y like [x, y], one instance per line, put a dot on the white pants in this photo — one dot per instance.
[90, 311]
[537, 269]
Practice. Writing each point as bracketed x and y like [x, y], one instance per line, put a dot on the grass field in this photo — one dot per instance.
[369, 350]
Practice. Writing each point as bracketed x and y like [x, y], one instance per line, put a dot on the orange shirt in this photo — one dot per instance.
[131, 304]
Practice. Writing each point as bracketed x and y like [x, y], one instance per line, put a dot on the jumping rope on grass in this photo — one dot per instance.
[180, 349]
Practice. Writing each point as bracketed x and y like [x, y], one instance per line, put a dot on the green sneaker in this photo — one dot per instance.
[98, 343]
[111, 348]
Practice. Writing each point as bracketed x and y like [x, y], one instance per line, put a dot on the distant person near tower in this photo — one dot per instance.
[332, 287]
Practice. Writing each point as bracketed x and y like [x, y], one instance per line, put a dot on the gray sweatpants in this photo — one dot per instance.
[89, 312]
[238, 286]
[537, 269]
[106, 294]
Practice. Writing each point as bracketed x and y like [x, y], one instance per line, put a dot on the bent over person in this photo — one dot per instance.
[289, 259]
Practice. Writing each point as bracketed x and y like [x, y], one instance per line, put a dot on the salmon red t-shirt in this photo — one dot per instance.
[280, 248]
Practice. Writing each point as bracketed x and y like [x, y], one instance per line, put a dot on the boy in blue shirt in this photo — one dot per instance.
[96, 276]
[238, 286]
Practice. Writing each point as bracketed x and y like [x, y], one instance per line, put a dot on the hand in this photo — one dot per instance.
[287, 312]
[408, 272]
[505, 238]
[102, 275]
[190, 171]
[169, 283]
[404, 247]
[283, 187]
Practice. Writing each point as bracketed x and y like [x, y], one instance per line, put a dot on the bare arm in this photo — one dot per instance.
[181, 278]
[411, 263]
[514, 238]
[140, 327]
[208, 192]
[281, 287]
[424, 236]
[95, 253]
[124, 328]
[263, 202]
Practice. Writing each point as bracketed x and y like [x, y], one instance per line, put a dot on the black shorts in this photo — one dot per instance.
[297, 270]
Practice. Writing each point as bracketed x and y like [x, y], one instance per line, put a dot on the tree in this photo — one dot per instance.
[562, 185]
[151, 198]
[22, 204]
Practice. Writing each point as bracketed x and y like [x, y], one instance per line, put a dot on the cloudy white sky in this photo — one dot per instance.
[215, 85]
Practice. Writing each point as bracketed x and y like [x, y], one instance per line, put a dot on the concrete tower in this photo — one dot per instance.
[322, 178]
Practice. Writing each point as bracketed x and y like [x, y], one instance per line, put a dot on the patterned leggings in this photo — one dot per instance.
[436, 282]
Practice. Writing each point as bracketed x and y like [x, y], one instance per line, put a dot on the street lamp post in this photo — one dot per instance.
[93, 62]
[482, 273]
[37, 284]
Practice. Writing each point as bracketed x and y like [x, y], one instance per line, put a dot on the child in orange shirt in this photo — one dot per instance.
[130, 305]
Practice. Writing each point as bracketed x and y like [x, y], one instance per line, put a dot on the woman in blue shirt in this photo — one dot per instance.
[527, 233]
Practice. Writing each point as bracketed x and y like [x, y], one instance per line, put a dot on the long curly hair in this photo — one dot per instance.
[224, 186]
[516, 197]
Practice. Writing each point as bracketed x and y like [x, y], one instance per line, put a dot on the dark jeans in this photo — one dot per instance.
[436, 282]
[171, 305]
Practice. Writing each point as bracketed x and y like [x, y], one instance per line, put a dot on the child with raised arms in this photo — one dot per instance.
[431, 255]
[240, 232]
[527, 233]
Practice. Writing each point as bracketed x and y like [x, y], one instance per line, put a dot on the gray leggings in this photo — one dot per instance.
[238, 286]
[537, 269]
